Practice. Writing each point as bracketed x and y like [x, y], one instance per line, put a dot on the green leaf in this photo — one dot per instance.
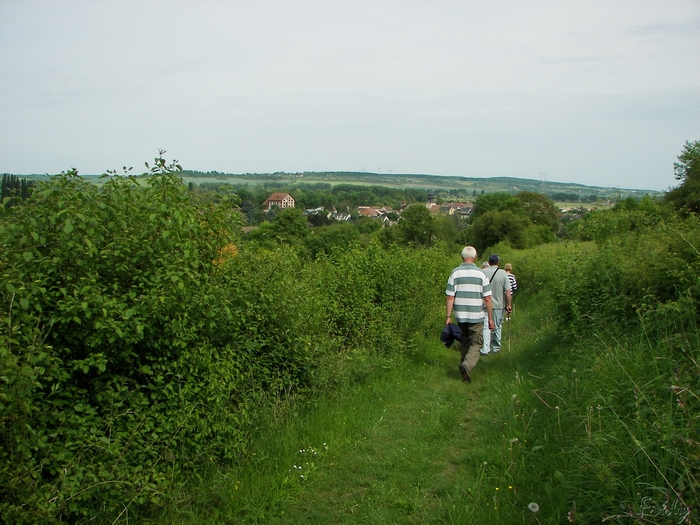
[28, 256]
[68, 227]
[24, 302]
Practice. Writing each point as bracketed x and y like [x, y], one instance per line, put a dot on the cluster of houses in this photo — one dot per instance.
[381, 213]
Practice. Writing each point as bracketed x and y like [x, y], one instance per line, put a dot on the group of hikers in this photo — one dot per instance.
[480, 298]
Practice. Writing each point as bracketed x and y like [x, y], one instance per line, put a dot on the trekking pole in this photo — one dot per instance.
[509, 318]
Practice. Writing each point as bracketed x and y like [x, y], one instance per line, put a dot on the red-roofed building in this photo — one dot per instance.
[281, 200]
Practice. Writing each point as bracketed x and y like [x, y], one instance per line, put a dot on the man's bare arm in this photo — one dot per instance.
[489, 311]
[449, 306]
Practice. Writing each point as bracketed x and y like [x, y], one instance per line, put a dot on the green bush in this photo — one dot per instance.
[103, 290]
[629, 277]
[139, 341]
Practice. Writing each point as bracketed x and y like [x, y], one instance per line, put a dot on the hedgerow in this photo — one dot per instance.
[139, 337]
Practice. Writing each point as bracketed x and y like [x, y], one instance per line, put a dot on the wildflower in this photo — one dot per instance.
[497, 488]
[514, 440]
[534, 507]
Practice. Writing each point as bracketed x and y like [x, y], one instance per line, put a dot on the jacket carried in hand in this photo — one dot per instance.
[450, 333]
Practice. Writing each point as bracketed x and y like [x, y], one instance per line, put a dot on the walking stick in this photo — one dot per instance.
[509, 318]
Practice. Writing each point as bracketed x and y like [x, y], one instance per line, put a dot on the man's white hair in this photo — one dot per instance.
[469, 252]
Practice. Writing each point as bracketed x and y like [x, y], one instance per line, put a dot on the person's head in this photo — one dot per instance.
[494, 260]
[508, 267]
[485, 264]
[469, 253]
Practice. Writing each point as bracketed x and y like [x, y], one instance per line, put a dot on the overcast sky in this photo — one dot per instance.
[601, 93]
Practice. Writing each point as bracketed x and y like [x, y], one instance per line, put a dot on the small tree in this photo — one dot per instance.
[290, 224]
[495, 226]
[417, 225]
[540, 209]
[495, 201]
[687, 170]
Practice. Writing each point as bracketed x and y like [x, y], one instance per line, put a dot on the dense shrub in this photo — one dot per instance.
[629, 276]
[626, 216]
[140, 337]
[103, 290]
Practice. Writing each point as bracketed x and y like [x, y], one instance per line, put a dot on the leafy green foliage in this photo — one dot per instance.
[495, 225]
[138, 340]
[686, 196]
[103, 290]
[290, 223]
[330, 238]
[524, 220]
[539, 209]
[417, 226]
[630, 276]
[626, 216]
[496, 201]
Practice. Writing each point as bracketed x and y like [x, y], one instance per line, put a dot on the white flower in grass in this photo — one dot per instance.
[534, 507]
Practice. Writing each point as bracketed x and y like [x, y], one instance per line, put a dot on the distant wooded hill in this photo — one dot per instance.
[438, 183]
[560, 191]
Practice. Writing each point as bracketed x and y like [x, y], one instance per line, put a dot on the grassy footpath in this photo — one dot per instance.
[410, 443]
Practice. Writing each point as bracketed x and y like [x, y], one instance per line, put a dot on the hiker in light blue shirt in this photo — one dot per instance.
[500, 303]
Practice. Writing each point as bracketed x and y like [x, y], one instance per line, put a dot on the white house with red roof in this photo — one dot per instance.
[281, 200]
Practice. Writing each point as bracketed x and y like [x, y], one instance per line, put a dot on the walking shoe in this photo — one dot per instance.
[465, 375]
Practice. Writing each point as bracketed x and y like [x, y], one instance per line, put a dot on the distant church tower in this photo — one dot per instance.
[431, 199]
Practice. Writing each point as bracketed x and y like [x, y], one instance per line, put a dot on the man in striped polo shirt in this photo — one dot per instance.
[468, 291]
